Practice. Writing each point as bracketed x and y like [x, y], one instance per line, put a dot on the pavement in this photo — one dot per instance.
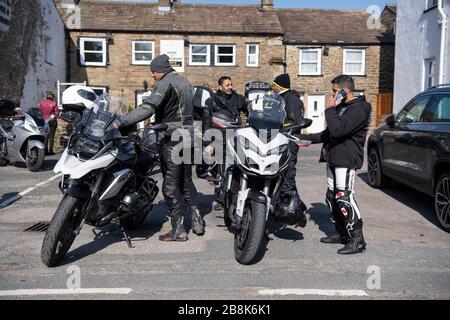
[408, 255]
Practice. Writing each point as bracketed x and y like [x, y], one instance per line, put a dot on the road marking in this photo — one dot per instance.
[20, 195]
[313, 292]
[40, 292]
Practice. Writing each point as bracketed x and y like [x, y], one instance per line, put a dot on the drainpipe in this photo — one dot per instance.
[443, 41]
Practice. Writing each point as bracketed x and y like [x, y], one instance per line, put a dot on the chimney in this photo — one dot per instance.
[267, 4]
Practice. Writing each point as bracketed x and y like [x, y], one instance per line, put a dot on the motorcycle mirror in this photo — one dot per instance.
[159, 127]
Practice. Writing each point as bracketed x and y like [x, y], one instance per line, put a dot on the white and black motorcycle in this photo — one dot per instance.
[21, 139]
[106, 178]
[257, 157]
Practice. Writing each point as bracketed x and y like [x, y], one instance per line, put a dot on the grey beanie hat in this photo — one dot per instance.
[161, 64]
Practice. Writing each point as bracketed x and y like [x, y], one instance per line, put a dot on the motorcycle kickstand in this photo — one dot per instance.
[127, 238]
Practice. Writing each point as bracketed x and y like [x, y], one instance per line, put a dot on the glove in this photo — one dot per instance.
[117, 123]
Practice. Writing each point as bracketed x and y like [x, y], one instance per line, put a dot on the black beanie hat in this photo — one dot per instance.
[283, 81]
[161, 64]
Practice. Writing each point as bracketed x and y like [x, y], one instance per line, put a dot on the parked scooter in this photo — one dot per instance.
[21, 139]
[106, 175]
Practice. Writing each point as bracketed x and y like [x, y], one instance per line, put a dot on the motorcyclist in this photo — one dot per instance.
[229, 102]
[289, 196]
[348, 119]
[171, 103]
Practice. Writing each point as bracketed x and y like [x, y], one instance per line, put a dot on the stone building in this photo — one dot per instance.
[111, 44]
[32, 39]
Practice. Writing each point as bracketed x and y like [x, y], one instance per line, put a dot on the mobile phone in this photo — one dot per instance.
[340, 97]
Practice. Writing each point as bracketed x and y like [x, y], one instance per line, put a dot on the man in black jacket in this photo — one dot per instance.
[226, 99]
[229, 102]
[294, 113]
[171, 103]
[348, 120]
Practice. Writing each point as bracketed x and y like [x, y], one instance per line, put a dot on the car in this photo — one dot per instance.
[413, 147]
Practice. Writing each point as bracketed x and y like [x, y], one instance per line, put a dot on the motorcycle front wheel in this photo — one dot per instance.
[249, 236]
[34, 159]
[60, 234]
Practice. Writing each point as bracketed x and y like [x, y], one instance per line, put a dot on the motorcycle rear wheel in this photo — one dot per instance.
[60, 234]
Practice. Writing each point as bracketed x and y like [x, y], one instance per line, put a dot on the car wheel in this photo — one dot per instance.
[442, 201]
[374, 171]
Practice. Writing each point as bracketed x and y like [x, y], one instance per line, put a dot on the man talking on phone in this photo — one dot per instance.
[348, 120]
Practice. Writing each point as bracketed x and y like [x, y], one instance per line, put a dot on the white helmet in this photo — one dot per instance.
[79, 97]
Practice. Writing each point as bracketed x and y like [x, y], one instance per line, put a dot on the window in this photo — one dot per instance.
[143, 52]
[48, 50]
[199, 55]
[354, 61]
[92, 52]
[438, 110]
[310, 62]
[225, 55]
[429, 73]
[413, 111]
[253, 55]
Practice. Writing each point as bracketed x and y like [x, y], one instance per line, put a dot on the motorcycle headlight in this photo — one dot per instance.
[278, 150]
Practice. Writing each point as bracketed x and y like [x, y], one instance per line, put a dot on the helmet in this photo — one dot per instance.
[77, 98]
[292, 211]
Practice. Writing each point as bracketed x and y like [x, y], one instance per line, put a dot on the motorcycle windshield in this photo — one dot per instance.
[97, 119]
[267, 112]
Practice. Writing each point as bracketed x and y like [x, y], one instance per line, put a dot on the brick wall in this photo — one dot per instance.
[123, 78]
[379, 71]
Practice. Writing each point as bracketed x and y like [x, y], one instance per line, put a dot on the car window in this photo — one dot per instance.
[413, 111]
[438, 110]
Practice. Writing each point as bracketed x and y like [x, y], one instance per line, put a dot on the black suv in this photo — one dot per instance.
[413, 147]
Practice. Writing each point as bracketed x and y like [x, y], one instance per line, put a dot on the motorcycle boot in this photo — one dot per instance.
[198, 224]
[356, 243]
[178, 233]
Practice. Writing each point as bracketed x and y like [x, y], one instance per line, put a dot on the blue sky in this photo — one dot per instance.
[322, 4]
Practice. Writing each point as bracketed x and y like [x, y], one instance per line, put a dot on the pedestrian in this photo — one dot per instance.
[228, 100]
[172, 103]
[289, 195]
[50, 113]
[348, 120]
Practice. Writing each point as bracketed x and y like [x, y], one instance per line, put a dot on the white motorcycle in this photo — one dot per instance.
[106, 179]
[257, 157]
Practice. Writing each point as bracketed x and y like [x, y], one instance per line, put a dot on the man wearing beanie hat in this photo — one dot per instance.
[172, 103]
[294, 113]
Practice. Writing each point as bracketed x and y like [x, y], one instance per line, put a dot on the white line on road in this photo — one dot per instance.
[40, 292]
[313, 292]
[7, 202]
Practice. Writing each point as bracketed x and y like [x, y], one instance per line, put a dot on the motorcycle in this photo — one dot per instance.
[21, 139]
[257, 157]
[106, 179]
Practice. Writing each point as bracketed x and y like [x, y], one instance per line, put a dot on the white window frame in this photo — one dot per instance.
[256, 65]
[363, 62]
[319, 62]
[82, 52]
[134, 51]
[216, 55]
[208, 55]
